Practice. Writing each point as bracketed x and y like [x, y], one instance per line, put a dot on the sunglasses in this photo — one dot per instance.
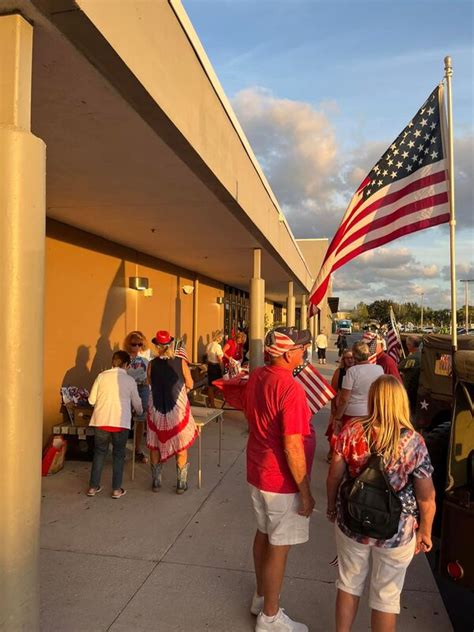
[136, 344]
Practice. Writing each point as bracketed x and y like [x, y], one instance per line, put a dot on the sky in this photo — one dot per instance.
[321, 89]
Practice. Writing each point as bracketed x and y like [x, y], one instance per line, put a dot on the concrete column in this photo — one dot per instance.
[304, 312]
[257, 312]
[22, 244]
[195, 320]
[290, 306]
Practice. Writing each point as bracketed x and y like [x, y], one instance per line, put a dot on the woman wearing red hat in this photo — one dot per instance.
[171, 427]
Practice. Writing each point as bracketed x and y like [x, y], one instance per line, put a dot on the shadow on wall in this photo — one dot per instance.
[202, 346]
[114, 308]
[79, 374]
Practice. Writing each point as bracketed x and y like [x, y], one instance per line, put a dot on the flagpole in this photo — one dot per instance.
[448, 68]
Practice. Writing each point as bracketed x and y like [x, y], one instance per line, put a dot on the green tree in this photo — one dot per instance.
[360, 313]
[379, 310]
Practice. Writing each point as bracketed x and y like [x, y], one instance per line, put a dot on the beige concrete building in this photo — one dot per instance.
[314, 251]
[120, 157]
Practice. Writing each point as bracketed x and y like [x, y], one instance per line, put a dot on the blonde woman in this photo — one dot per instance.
[214, 364]
[135, 344]
[386, 430]
[171, 427]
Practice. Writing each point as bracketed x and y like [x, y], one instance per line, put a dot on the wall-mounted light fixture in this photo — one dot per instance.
[188, 289]
[140, 284]
[220, 300]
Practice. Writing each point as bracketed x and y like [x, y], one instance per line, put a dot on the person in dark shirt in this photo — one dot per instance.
[171, 426]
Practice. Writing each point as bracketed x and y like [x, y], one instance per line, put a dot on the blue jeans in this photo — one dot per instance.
[101, 447]
[144, 394]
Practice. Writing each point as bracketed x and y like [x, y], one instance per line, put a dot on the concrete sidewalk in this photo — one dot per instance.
[164, 562]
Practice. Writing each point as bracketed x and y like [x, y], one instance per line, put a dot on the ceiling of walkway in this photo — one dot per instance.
[110, 174]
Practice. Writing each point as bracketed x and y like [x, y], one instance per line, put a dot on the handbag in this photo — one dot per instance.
[370, 505]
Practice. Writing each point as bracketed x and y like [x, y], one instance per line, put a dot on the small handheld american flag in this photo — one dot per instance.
[394, 346]
[180, 351]
[370, 339]
[318, 391]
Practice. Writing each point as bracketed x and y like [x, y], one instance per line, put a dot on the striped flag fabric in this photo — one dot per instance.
[393, 346]
[406, 191]
[180, 352]
[370, 339]
[394, 343]
[280, 344]
[318, 391]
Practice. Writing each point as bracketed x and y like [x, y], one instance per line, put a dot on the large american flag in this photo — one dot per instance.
[406, 191]
[318, 391]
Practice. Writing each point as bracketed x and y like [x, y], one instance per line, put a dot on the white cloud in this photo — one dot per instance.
[296, 146]
[387, 273]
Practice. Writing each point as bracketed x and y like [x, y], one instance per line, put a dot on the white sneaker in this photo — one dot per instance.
[281, 622]
[257, 604]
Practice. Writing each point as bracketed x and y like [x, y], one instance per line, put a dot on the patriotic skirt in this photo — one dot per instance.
[171, 432]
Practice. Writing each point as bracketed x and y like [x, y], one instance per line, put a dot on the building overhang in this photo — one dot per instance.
[142, 146]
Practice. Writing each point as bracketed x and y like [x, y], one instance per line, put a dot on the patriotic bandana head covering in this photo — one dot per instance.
[282, 339]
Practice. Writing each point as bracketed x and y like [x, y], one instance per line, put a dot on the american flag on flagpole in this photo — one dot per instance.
[394, 345]
[406, 191]
[318, 391]
[370, 339]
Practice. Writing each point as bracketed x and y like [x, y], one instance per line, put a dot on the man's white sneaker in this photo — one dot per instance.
[257, 604]
[281, 622]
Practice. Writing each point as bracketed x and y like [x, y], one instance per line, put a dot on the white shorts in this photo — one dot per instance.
[277, 516]
[388, 571]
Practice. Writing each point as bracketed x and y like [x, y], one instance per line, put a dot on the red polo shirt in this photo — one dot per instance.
[275, 405]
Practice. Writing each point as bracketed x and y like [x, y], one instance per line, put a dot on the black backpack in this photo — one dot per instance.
[370, 505]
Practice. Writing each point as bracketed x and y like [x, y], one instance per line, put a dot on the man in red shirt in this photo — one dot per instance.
[387, 363]
[280, 453]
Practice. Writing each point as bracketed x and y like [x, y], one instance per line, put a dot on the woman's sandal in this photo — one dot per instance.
[121, 492]
[92, 491]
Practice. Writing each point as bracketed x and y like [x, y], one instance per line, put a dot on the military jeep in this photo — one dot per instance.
[434, 402]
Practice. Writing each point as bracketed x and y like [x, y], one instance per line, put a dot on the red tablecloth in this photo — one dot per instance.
[233, 389]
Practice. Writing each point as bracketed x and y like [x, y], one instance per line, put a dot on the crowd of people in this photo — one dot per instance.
[370, 434]
[150, 388]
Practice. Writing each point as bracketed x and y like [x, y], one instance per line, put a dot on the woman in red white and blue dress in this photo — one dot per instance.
[171, 427]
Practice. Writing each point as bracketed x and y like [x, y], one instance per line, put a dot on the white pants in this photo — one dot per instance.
[388, 570]
[277, 516]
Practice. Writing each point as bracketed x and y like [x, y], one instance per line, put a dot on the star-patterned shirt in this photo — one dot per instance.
[412, 461]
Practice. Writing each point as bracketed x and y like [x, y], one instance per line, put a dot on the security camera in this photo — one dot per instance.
[188, 289]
